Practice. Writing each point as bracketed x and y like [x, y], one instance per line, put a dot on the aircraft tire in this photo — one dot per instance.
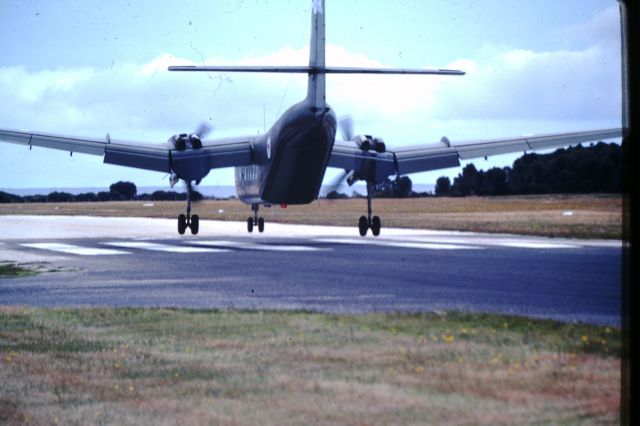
[261, 224]
[376, 225]
[250, 224]
[363, 225]
[182, 224]
[195, 224]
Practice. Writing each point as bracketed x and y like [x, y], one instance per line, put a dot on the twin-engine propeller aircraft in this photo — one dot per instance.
[286, 165]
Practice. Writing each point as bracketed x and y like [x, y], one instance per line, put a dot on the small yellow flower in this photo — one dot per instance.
[607, 330]
[116, 365]
[402, 349]
[584, 338]
[419, 369]
[448, 338]
[505, 325]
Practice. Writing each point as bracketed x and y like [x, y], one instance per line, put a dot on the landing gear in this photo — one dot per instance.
[255, 220]
[188, 221]
[182, 224]
[367, 222]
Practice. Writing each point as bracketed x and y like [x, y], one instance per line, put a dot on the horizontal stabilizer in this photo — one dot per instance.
[314, 70]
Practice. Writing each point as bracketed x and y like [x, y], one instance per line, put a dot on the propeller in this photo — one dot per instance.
[203, 130]
[348, 177]
[346, 127]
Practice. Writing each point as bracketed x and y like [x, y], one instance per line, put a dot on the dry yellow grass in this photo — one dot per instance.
[592, 216]
[158, 366]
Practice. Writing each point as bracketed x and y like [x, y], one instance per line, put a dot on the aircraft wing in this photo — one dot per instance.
[163, 157]
[421, 158]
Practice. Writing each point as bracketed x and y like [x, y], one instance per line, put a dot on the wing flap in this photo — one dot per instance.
[138, 157]
[412, 163]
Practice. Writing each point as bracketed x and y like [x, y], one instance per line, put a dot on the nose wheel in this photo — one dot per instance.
[367, 222]
[255, 220]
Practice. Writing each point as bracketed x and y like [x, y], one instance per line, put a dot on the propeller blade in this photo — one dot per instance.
[173, 179]
[338, 181]
[203, 129]
[346, 127]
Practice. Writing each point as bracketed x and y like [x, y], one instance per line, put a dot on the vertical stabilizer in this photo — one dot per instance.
[316, 88]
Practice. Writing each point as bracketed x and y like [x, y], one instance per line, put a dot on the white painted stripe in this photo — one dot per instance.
[495, 241]
[422, 246]
[71, 249]
[143, 245]
[532, 245]
[254, 246]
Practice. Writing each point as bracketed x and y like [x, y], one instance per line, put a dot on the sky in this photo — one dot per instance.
[90, 68]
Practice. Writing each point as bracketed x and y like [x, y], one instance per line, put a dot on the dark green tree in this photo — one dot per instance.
[443, 186]
[123, 190]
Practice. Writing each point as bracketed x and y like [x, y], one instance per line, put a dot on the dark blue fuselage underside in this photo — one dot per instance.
[290, 159]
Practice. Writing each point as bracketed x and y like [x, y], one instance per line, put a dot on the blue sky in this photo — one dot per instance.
[92, 67]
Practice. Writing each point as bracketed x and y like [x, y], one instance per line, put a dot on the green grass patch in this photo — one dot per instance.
[9, 269]
[149, 366]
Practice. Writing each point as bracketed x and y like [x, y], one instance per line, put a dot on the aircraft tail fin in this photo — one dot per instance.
[316, 89]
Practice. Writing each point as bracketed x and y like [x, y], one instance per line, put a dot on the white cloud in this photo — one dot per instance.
[142, 101]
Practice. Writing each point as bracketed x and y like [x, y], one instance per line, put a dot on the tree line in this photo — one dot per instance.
[596, 168]
[119, 191]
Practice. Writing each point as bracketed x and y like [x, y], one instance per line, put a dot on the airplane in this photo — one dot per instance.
[286, 165]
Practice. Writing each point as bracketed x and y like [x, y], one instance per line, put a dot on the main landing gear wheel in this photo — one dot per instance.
[367, 222]
[186, 220]
[376, 225]
[363, 226]
[250, 224]
[261, 224]
[195, 224]
[182, 224]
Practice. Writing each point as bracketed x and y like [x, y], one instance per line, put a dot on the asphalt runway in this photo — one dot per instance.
[143, 262]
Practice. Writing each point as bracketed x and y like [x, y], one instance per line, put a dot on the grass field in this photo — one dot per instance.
[577, 216]
[160, 366]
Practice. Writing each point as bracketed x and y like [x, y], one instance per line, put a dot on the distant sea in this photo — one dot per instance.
[220, 191]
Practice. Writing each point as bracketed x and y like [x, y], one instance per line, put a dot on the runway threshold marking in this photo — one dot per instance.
[535, 245]
[143, 245]
[255, 246]
[414, 245]
[72, 249]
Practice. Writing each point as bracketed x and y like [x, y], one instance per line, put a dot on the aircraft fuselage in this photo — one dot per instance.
[290, 159]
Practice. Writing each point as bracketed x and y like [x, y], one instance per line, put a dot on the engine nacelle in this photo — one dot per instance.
[370, 143]
[185, 141]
